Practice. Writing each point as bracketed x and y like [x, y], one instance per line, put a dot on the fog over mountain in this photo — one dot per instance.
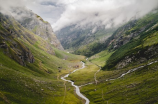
[105, 12]
[62, 13]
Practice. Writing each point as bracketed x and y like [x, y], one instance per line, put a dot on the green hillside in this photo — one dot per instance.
[121, 67]
[132, 45]
[30, 67]
[84, 40]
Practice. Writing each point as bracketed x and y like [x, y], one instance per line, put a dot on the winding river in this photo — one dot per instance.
[83, 66]
[132, 70]
[76, 87]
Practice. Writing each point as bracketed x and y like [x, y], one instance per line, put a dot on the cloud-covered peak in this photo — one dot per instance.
[62, 13]
[107, 12]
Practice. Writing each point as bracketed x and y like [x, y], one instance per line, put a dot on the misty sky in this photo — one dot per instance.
[61, 13]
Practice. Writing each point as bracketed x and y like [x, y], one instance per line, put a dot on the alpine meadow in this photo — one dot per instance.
[79, 52]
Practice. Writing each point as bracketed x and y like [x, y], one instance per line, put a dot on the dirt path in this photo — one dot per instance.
[64, 93]
[95, 75]
[129, 71]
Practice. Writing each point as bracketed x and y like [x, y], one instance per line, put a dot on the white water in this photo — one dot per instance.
[86, 84]
[77, 87]
[83, 66]
[132, 70]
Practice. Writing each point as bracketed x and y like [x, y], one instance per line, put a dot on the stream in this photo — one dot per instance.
[76, 87]
[132, 70]
[83, 66]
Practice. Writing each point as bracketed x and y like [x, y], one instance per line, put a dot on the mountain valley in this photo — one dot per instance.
[117, 65]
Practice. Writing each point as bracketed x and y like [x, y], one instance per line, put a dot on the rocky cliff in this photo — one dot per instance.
[10, 31]
[21, 28]
[37, 25]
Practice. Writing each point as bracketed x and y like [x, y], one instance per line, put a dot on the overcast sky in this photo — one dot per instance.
[61, 13]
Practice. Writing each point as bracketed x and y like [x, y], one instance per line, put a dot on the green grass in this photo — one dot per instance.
[151, 40]
[147, 37]
[137, 87]
[27, 82]
[67, 56]
[40, 82]
[101, 58]
[37, 82]
[93, 47]
[85, 75]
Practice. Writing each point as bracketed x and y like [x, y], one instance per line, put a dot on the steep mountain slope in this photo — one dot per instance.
[129, 66]
[30, 67]
[37, 25]
[10, 43]
[130, 42]
[86, 40]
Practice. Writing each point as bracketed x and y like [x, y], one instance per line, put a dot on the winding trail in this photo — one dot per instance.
[77, 87]
[83, 66]
[95, 75]
[122, 75]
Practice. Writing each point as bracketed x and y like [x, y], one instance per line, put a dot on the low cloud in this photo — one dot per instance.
[7, 5]
[105, 12]
[49, 10]
[62, 13]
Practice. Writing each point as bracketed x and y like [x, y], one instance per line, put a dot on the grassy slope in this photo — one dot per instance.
[85, 75]
[136, 44]
[95, 46]
[31, 84]
[28, 82]
[137, 87]
[37, 82]
[101, 58]
[83, 41]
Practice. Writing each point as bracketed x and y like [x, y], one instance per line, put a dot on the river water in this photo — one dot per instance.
[76, 87]
[83, 66]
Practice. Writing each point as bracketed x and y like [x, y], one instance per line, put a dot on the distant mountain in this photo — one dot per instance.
[129, 65]
[133, 43]
[84, 40]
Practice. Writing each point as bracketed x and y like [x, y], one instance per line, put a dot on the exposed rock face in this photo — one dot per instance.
[16, 51]
[140, 57]
[3, 45]
[9, 43]
[122, 35]
[37, 25]
[22, 55]
[25, 27]
[130, 43]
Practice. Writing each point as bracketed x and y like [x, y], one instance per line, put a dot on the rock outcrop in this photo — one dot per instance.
[9, 43]
[37, 25]
[140, 57]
